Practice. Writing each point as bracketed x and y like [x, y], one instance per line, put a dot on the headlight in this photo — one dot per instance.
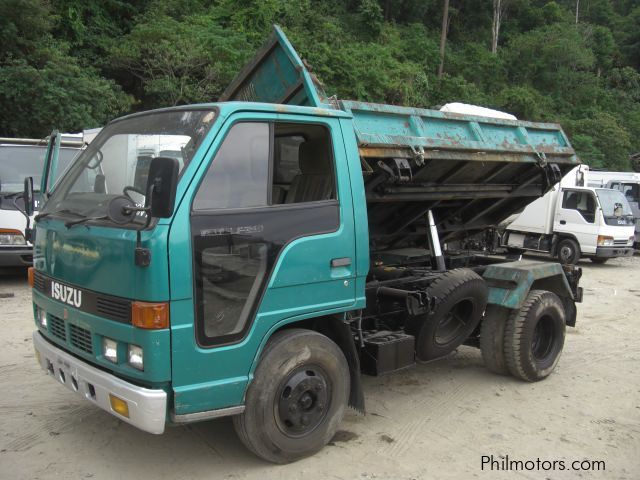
[41, 317]
[11, 237]
[110, 350]
[605, 241]
[631, 240]
[136, 359]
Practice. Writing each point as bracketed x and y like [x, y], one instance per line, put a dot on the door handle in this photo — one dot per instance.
[340, 262]
[563, 222]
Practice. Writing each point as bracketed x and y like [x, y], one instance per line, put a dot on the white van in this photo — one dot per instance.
[573, 221]
[21, 158]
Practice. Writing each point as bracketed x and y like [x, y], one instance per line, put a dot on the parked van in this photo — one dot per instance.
[573, 221]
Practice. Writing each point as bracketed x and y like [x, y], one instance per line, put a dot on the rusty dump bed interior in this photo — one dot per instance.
[472, 172]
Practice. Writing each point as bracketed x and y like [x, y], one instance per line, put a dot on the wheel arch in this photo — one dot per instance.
[510, 284]
[558, 237]
[336, 328]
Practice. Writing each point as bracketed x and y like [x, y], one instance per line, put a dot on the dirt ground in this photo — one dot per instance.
[435, 420]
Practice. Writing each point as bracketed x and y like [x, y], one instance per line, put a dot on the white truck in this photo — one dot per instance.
[20, 158]
[574, 221]
[628, 183]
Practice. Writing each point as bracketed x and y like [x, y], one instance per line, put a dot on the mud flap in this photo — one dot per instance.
[341, 334]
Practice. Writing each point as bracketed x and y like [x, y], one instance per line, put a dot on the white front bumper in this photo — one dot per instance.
[147, 407]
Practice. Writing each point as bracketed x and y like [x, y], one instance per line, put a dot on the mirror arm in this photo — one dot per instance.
[143, 255]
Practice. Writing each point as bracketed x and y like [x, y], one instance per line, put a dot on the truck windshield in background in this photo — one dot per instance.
[20, 161]
[609, 199]
[630, 190]
[117, 161]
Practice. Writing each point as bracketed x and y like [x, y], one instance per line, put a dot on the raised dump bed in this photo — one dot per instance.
[472, 172]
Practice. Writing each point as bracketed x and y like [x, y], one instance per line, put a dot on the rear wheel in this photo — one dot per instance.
[534, 336]
[492, 339]
[568, 251]
[297, 399]
[461, 296]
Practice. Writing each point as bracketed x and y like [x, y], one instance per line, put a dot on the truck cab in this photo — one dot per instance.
[626, 182]
[21, 158]
[281, 249]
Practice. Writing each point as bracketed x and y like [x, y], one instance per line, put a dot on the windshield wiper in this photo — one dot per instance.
[64, 210]
[71, 223]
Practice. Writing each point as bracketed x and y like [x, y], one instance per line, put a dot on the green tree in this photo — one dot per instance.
[602, 134]
[59, 94]
[180, 61]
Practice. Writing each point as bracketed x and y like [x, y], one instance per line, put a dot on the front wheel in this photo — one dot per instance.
[534, 336]
[297, 399]
[568, 251]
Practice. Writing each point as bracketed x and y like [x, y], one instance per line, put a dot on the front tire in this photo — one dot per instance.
[568, 251]
[297, 399]
[534, 336]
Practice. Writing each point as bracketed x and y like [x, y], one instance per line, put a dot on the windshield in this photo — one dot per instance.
[20, 161]
[117, 161]
[631, 191]
[609, 198]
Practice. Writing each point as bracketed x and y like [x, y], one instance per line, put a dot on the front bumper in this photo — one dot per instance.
[16, 256]
[613, 252]
[147, 407]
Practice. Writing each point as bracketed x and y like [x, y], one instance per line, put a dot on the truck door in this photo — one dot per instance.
[50, 165]
[576, 216]
[271, 234]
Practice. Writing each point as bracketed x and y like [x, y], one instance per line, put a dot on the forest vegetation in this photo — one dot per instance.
[76, 64]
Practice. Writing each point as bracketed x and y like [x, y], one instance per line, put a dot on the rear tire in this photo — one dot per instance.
[568, 251]
[492, 339]
[297, 398]
[461, 297]
[534, 336]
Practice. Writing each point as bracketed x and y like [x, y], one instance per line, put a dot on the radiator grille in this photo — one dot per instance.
[56, 328]
[113, 308]
[38, 282]
[620, 242]
[81, 338]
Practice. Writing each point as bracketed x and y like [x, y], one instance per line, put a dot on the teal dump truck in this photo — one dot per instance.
[253, 257]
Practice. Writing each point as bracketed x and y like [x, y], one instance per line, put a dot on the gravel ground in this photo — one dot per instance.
[436, 420]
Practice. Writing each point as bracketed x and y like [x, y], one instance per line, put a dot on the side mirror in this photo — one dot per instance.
[100, 184]
[617, 210]
[27, 196]
[162, 183]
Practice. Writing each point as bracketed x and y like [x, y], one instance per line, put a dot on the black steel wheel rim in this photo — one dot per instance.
[453, 322]
[566, 253]
[303, 401]
[543, 338]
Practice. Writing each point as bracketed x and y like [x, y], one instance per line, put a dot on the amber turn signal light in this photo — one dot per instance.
[30, 276]
[152, 316]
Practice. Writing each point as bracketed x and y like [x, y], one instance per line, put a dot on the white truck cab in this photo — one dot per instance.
[626, 182]
[21, 158]
[573, 221]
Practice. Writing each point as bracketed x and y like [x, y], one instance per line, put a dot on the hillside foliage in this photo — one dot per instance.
[75, 64]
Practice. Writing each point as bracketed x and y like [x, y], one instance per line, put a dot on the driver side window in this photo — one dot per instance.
[239, 174]
[583, 202]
